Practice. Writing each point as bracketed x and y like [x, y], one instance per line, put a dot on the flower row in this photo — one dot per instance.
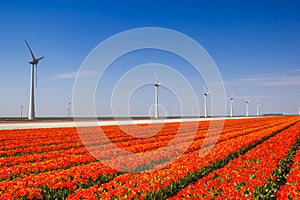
[72, 178]
[138, 185]
[65, 170]
[291, 189]
[39, 160]
[242, 176]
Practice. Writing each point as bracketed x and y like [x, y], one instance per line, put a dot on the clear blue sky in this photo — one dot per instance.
[255, 44]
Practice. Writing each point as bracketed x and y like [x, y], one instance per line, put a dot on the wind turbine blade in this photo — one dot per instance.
[156, 79]
[40, 58]
[33, 57]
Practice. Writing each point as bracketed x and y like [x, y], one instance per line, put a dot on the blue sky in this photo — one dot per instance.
[255, 45]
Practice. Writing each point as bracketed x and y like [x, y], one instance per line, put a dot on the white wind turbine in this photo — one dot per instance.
[33, 62]
[156, 84]
[257, 107]
[69, 109]
[174, 110]
[206, 93]
[298, 109]
[231, 105]
[247, 106]
[21, 111]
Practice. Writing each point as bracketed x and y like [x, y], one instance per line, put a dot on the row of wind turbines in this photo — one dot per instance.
[34, 67]
[206, 93]
[247, 101]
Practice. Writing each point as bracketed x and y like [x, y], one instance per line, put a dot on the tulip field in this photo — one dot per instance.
[250, 158]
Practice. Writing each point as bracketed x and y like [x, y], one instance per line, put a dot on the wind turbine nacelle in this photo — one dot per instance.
[33, 62]
[157, 84]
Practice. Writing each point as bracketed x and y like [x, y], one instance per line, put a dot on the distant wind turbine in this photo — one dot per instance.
[118, 110]
[298, 109]
[257, 107]
[231, 105]
[156, 84]
[247, 106]
[206, 93]
[69, 109]
[174, 110]
[33, 62]
[21, 111]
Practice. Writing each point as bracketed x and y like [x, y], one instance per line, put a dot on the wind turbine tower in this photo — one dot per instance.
[33, 62]
[21, 111]
[257, 108]
[231, 105]
[298, 109]
[69, 109]
[247, 106]
[156, 84]
[206, 92]
[174, 111]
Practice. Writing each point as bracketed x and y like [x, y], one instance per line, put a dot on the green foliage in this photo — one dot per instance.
[141, 168]
[63, 193]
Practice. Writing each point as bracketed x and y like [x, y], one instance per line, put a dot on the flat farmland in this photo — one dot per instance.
[250, 158]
